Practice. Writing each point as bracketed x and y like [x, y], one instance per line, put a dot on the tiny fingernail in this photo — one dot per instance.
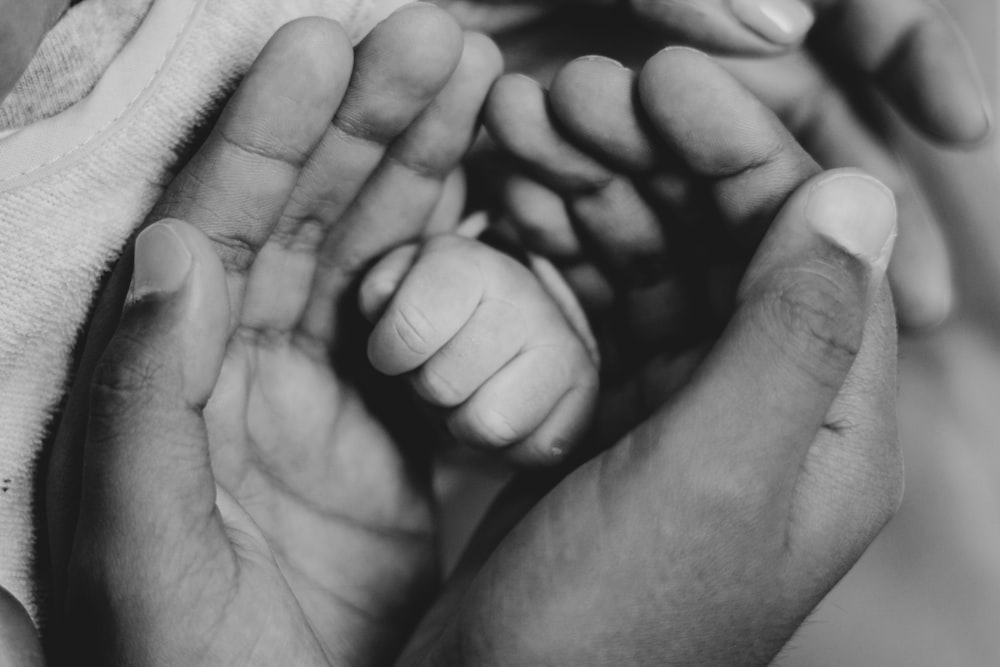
[857, 213]
[601, 59]
[782, 22]
[162, 261]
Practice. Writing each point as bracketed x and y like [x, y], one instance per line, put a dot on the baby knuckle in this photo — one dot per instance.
[436, 387]
[493, 428]
[413, 329]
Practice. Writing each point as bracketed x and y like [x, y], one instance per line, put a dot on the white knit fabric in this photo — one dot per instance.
[70, 196]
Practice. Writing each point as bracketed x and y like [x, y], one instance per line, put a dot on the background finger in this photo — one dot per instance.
[819, 113]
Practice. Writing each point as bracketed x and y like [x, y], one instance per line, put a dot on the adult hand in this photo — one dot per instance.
[709, 532]
[944, 545]
[828, 92]
[322, 543]
[910, 49]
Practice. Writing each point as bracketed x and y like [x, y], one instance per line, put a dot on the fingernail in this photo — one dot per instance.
[162, 261]
[857, 213]
[683, 49]
[780, 21]
[601, 59]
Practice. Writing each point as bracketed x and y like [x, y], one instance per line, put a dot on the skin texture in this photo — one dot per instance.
[721, 524]
[327, 543]
[943, 545]
[611, 556]
[951, 97]
[476, 334]
[832, 92]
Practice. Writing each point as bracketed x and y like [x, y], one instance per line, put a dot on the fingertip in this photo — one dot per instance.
[553, 442]
[857, 213]
[934, 81]
[382, 282]
[179, 285]
[751, 27]
[782, 22]
[162, 261]
[482, 55]
[430, 34]
[811, 286]
[594, 100]
[309, 61]
[509, 94]
[924, 302]
[717, 128]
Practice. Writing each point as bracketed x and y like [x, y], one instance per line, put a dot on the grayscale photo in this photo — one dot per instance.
[499, 333]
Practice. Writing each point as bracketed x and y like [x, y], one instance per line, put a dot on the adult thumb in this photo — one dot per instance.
[799, 326]
[146, 462]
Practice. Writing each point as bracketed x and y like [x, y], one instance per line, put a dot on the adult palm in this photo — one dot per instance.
[322, 161]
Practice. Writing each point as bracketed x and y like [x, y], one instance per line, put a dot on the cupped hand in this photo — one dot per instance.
[709, 532]
[830, 91]
[289, 516]
[927, 590]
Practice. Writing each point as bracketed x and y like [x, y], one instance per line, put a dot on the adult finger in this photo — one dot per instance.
[799, 322]
[852, 478]
[699, 498]
[915, 53]
[234, 189]
[147, 475]
[398, 200]
[723, 134]
[829, 127]
[910, 48]
[237, 185]
[605, 208]
[399, 69]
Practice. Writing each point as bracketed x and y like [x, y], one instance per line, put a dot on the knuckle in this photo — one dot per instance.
[817, 319]
[491, 427]
[236, 250]
[412, 328]
[431, 162]
[436, 387]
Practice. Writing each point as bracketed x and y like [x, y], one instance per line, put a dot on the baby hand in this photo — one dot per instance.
[475, 333]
